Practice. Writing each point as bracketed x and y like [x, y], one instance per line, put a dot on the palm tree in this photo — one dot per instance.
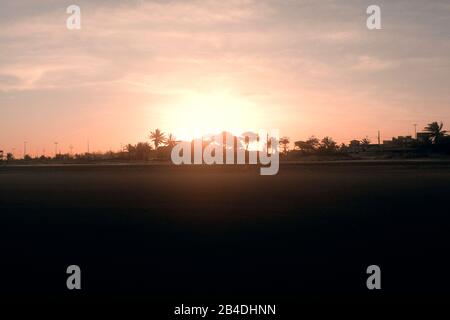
[365, 141]
[158, 137]
[246, 142]
[435, 131]
[247, 137]
[268, 143]
[171, 140]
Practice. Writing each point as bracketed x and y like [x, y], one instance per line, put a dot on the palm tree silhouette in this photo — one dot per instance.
[171, 140]
[268, 144]
[246, 142]
[246, 137]
[365, 141]
[435, 131]
[157, 137]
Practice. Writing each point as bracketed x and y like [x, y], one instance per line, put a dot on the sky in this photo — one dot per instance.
[305, 67]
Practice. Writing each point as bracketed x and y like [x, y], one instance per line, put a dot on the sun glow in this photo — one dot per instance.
[197, 115]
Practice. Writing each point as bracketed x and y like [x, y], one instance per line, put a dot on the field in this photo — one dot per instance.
[177, 233]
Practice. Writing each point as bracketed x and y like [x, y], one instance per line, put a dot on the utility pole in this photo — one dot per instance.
[415, 130]
[88, 146]
[24, 149]
[71, 149]
[379, 140]
[56, 149]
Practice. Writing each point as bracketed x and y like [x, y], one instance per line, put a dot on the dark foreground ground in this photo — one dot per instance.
[180, 234]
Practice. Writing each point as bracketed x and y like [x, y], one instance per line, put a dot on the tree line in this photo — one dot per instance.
[160, 145]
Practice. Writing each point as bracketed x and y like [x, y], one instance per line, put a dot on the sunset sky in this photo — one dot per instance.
[305, 67]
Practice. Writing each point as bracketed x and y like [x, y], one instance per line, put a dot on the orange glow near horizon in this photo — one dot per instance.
[193, 68]
[198, 114]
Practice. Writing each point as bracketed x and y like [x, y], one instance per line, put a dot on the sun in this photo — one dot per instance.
[198, 114]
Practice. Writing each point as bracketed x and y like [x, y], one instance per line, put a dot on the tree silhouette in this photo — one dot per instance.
[365, 141]
[313, 143]
[157, 137]
[308, 146]
[247, 136]
[246, 142]
[328, 144]
[268, 144]
[284, 143]
[435, 131]
[300, 145]
[130, 148]
[171, 140]
[143, 151]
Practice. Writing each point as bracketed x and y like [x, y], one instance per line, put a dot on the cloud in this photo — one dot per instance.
[370, 64]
